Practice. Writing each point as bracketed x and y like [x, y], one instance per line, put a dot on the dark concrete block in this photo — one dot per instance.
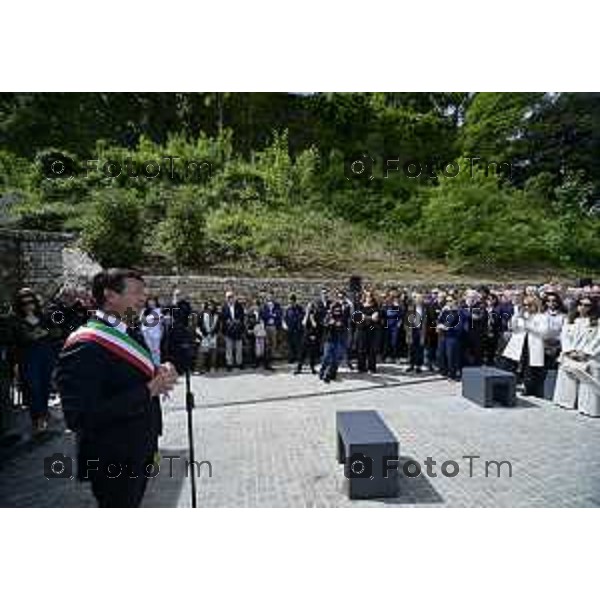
[370, 452]
[487, 386]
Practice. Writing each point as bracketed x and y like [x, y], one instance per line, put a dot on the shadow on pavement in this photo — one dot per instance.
[413, 490]
[326, 390]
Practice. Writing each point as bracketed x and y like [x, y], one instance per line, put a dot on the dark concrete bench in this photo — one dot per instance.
[488, 385]
[369, 451]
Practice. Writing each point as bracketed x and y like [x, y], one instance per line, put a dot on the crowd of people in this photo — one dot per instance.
[530, 330]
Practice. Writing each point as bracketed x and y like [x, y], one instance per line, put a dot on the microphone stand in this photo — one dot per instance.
[189, 407]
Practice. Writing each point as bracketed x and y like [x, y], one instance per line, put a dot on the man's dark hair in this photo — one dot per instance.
[112, 279]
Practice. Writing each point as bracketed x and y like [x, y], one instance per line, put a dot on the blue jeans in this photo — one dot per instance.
[430, 356]
[391, 341]
[342, 348]
[333, 352]
[449, 356]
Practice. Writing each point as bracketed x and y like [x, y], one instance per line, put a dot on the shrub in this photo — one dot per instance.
[474, 220]
[182, 233]
[113, 232]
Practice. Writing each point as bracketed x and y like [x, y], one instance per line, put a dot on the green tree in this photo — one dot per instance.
[496, 122]
[183, 231]
[113, 233]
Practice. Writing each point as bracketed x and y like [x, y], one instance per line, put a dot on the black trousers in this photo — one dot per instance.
[391, 342]
[367, 344]
[533, 377]
[416, 354]
[472, 348]
[490, 347]
[121, 491]
[294, 345]
[310, 348]
[402, 344]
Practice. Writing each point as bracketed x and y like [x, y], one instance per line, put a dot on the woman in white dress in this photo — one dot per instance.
[578, 338]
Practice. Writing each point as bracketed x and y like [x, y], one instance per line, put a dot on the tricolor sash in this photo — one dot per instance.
[120, 344]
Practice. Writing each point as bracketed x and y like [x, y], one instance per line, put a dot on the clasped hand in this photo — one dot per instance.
[164, 380]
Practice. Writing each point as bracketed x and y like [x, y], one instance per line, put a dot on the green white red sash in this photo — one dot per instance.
[120, 344]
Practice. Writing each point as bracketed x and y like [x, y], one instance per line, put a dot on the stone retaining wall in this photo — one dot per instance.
[198, 288]
[31, 258]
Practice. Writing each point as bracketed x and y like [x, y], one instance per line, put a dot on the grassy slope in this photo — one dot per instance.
[307, 244]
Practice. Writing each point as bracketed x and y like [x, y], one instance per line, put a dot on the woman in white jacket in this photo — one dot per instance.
[529, 328]
[578, 381]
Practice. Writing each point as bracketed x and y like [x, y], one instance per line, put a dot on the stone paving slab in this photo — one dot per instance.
[270, 439]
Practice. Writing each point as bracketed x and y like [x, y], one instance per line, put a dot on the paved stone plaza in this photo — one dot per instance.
[270, 439]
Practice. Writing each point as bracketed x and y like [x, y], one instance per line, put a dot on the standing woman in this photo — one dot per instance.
[36, 356]
[367, 322]
[449, 332]
[415, 335]
[153, 328]
[492, 330]
[311, 340]
[431, 340]
[393, 313]
[575, 334]
[555, 314]
[474, 329]
[208, 329]
[589, 384]
[402, 339]
[293, 318]
[526, 345]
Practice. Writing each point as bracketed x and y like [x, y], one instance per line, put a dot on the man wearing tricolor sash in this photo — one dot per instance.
[110, 388]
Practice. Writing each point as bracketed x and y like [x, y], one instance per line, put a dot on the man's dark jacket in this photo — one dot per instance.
[233, 328]
[107, 403]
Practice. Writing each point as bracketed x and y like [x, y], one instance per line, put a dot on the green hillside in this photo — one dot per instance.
[391, 185]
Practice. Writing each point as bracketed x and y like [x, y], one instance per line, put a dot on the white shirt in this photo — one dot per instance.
[555, 323]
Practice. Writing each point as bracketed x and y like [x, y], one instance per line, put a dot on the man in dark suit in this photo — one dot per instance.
[232, 321]
[109, 390]
[272, 316]
[431, 342]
